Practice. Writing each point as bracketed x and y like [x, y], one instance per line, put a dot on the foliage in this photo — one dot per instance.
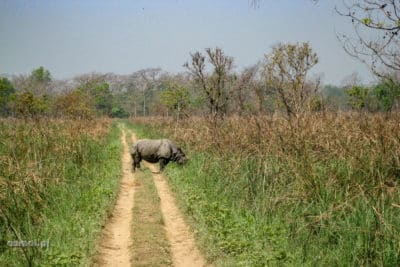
[6, 92]
[102, 97]
[39, 82]
[387, 93]
[99, 93]
[176, 97]
[118, 112]
[74, 105]
[41, 75]
[358, 97]
[29, 105]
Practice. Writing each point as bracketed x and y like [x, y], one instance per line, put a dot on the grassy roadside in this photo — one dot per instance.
[229, 235]
[59, 180]
[323, 196]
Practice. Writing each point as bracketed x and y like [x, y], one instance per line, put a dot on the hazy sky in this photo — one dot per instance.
[74, 37]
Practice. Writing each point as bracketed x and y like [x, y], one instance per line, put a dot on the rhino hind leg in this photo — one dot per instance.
[135, 161]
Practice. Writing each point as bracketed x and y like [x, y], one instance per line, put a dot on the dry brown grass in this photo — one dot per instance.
[369, 144]
[331, 178]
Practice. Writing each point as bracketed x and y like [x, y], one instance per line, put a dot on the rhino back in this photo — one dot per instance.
[153, 150]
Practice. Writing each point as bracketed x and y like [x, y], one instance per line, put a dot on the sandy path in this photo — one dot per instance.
[116, 245]
[183, 247]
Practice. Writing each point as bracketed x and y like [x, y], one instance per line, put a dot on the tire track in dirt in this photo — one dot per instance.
[116, 245]
[183, 247]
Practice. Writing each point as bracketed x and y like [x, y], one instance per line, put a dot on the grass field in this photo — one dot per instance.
[260, 190]
[58, 182]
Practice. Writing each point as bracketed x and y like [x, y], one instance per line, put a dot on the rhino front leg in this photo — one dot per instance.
[163, 162]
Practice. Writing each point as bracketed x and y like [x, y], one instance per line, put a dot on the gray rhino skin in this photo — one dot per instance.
[158, 150]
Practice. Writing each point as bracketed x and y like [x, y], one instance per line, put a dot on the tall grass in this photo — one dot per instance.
[58, 179]
[321, 190]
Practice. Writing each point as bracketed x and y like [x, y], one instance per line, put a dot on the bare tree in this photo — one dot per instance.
[286, 72]
[143, 82]
[244, 89]
[217, 85]
[376, 40]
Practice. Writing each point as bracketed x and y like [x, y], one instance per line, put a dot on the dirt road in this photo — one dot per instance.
[181, 238]
[116, 245]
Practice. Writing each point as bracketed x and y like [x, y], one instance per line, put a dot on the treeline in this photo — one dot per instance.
[278, 83]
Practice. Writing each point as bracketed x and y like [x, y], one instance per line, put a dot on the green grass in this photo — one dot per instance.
[289, 209]
[251, 229]
[60, 182]
[151, 246]
[230, 233]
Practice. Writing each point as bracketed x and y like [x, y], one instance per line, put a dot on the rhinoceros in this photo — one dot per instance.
[158, 150]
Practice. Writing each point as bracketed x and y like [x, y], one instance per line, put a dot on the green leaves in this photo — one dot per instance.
[41, 75]
[366, 21]
[357, 97]
[6, 92]
[27, 104]
[176, 97]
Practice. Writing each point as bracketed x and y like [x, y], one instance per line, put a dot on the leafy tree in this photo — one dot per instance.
[286, 70]
[75, 105]
[358, 97]
[387, 93]
[176, 98]
[6, 92]
[118, 112]
[41, 75]
[39, 82]
[29, 105]
[98, 90]
[103, 98]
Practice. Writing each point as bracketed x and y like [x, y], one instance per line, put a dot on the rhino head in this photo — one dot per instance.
[179, 156]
